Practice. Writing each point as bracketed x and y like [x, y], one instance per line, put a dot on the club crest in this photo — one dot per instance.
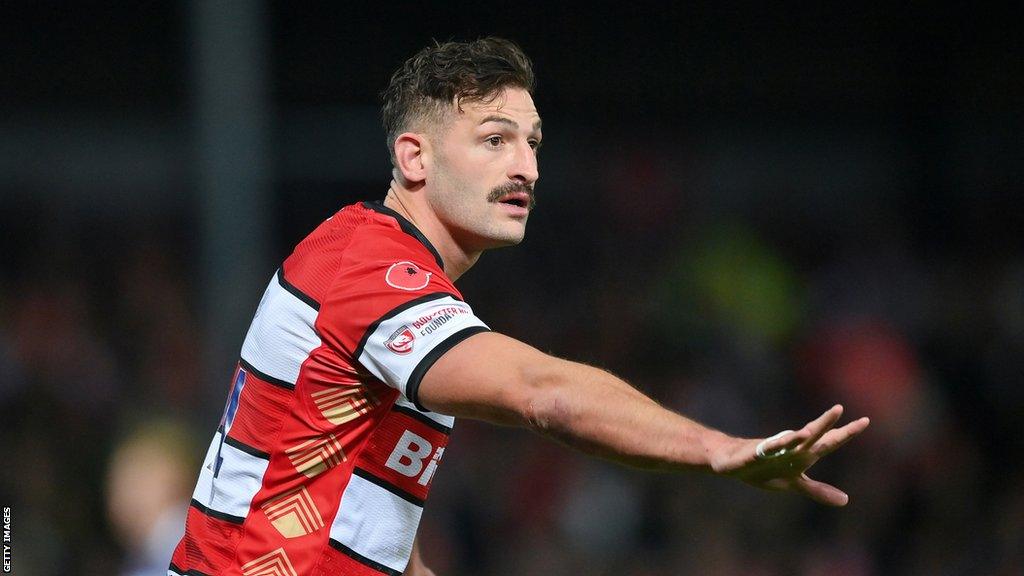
[401, 340]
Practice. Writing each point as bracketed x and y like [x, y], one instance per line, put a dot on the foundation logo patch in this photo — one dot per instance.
[407, 276]
[401, 340]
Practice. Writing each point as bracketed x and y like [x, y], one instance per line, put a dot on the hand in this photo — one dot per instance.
[788, 471]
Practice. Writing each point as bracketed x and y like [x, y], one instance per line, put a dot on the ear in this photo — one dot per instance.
[410, 156]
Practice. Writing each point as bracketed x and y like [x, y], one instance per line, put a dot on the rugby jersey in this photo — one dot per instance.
[324, 457]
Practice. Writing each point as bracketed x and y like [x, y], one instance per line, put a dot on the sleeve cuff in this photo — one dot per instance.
[412, 387]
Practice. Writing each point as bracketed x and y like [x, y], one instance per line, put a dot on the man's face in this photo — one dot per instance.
[484, 170]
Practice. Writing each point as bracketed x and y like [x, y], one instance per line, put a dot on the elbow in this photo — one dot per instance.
[547, 405]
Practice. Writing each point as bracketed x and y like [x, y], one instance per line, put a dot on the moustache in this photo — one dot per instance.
[511, 188]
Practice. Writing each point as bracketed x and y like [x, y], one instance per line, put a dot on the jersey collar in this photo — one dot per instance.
[407, 227]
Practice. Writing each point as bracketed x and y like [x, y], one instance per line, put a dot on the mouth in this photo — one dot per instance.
[518, 199]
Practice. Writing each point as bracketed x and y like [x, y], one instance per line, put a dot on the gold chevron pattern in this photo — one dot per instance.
[341, 405]
[293, 514]
[275, 563]
[317, 455]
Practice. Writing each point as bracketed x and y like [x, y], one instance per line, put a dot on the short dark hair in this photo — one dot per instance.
[427, 83]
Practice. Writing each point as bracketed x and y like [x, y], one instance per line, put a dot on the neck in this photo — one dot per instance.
[412, 205]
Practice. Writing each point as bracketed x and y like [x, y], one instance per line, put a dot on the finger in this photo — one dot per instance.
[831, 441]
[821, 492]
[822, 424]
[791, 441]
[779, 444]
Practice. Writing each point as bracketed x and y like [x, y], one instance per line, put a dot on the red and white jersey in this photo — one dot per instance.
[324, 457]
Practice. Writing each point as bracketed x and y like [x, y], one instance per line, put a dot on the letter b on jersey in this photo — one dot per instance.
[411, 455]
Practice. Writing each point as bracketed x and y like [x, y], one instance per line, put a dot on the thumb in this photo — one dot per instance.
[821, 492]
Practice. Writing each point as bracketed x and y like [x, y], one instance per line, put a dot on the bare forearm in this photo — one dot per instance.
[582, 406]
[600, 414]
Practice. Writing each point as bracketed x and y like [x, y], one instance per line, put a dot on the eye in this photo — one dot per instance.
[494, 141]
[535, 144]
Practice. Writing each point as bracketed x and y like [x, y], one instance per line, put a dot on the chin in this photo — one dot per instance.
[504, 242]
[503, 238]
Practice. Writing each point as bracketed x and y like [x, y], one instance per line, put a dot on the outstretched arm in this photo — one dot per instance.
[498, 379]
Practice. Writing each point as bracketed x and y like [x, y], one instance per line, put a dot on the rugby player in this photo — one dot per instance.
[362, 353]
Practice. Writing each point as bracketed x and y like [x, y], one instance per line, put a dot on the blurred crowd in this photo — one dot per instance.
[750, 215]
[750, 320]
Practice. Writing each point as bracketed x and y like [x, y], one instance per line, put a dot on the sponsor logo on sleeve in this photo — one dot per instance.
[407, 276]
[401, 340]
[438, 318]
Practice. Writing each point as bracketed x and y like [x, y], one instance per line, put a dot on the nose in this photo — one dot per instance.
[524, 165]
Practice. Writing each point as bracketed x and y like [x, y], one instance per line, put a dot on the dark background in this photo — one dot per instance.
[750, 214]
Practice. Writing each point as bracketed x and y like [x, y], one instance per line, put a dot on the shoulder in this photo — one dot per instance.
[386, 259]
[387, 233]
[387, 267]
[358, 245]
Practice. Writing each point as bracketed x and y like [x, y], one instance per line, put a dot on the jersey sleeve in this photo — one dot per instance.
[394, 313]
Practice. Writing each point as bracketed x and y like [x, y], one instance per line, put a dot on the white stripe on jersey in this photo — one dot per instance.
[281, 335]
[237, 482]
[428, 324]
[375, 523]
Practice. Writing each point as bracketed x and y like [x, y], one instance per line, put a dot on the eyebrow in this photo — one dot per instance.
[508, 121]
